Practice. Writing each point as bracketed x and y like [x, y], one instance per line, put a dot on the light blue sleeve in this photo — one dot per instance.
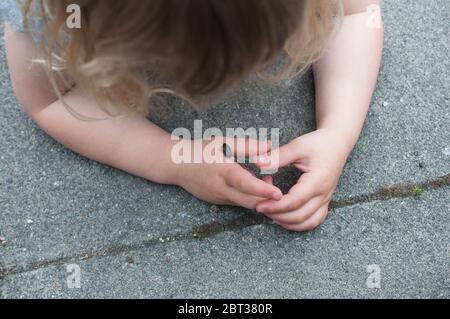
[11, 12]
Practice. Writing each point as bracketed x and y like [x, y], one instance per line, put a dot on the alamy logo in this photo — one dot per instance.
[73, 21]
[74, 277]
[374, 279]
[214, 146]
[374, 19]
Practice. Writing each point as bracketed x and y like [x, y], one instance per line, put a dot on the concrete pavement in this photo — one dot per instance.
[133, 238]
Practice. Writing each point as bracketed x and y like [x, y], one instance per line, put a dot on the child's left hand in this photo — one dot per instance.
[320, 156]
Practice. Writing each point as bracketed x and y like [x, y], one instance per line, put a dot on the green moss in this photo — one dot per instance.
[416, 191]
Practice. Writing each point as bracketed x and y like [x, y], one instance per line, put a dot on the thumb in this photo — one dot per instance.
[247, 147]
[277, 158]
[268, 179]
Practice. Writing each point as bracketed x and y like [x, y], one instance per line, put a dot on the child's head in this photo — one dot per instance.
[200, 45]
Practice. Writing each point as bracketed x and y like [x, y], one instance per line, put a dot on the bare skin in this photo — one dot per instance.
[345, 79]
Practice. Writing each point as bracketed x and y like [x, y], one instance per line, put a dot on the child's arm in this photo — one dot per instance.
[345, 79]
[130, 143]
[109, 141]
[346, 76]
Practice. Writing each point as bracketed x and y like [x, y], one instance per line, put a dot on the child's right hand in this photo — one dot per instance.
[227, 182]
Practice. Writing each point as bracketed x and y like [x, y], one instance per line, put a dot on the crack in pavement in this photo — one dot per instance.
[239, 223]
[398, 191]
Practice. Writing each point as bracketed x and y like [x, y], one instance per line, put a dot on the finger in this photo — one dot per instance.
[300, 215]
[268, 179]
[238, 198]
[247, 147]
[245, 182]
[277, 158]
[298, 195]
[311, 223]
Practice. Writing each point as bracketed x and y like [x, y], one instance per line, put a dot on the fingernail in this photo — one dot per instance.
[260, 209]
[277, 195]
[264, 159]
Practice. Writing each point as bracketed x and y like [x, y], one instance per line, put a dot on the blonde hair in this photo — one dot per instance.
[198, 45]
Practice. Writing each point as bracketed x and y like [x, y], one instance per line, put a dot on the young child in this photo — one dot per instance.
[74, 81]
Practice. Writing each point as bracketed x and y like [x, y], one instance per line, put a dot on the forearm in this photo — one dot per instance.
[345, 77]
[132, 143]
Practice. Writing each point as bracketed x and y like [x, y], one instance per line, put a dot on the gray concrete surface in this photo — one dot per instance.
[133, 238]
[263, 261]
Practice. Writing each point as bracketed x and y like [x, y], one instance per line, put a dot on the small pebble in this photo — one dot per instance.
[130, 259]
[227, 150]
[214, 209]
[446, 151]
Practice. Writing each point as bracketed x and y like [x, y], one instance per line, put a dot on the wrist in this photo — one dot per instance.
[347, 131]
[161, 167]
[343, 140]
[176, 166]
